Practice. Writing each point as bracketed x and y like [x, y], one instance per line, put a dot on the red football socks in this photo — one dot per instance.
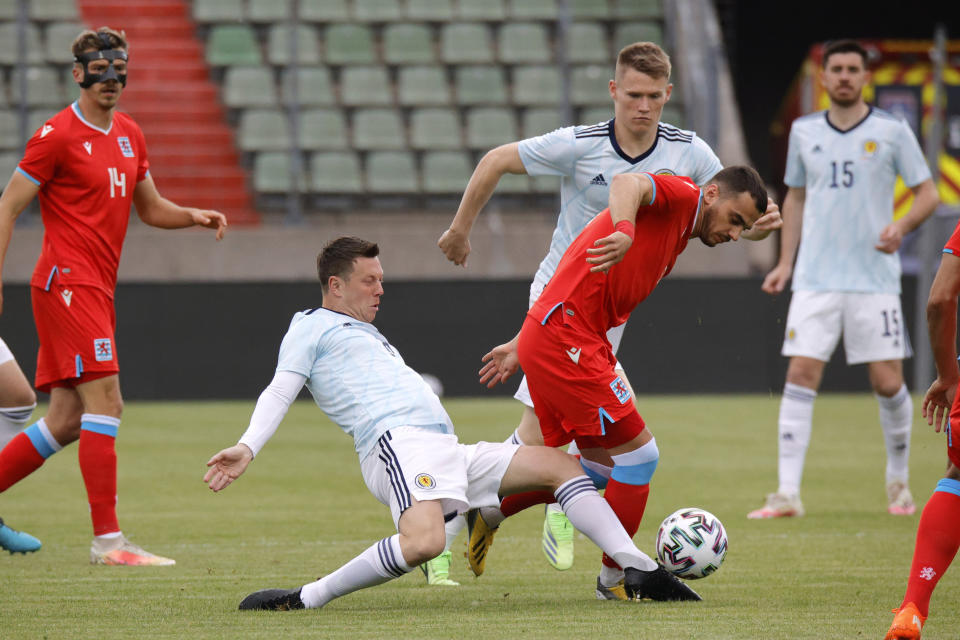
[938, 537]
[628, 501]
[98, 464]
[18, 460]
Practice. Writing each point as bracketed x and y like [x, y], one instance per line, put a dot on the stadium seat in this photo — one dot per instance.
[71, 90]
[536, 85]
[43, 87]
[435, 129]
[9, 9]
[533, 9]
[336, 172]
[278, 44]
[587, 42]
[58, 36]
[391, 172]
[537, 122]
[324, 11]
[263, 130]
[314, 86]
[432, 10]
[376, 10]
[488, 10]
[589, 9]
[249, 87]
[51, 10]
[9, 54]
[590, 84]
[408, 44]
[637, 8]
[423, 86]
[629, 32]
[480, 85]
[9, 162]
[365, 86]
[446, 171]
[594, 115]
[513, 183]
[465, 43]
[524, 43]
[673, 114]
[37, 117]
[10, 129]
[205, 11]
[272, 173]
[232, 44]
[378, 129]
[322, 129]
[268, 10]
[349, 44]
[488, 127]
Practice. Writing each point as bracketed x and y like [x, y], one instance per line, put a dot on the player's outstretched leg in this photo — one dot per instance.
[273, 600]
[17, 541]
[658, 584]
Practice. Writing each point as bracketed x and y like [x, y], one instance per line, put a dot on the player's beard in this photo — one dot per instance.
[842, 101]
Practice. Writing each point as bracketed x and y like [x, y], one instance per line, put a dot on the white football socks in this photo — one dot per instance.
[380, 563]
[795, 423]
[12, 420]
[896, 418]
[453, 528]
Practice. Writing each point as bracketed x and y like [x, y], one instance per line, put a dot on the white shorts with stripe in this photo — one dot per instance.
[410, 464]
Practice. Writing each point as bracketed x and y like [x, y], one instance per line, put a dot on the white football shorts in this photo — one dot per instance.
[409, 464]
[872, 325]
[5, 354]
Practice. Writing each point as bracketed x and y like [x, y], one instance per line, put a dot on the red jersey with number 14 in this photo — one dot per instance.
[86, 177]
[601, 301]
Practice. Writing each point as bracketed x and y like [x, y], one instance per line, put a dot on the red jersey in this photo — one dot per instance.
[604, 300]
[86, 177]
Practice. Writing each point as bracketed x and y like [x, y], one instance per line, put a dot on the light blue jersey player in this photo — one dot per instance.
[841, 168]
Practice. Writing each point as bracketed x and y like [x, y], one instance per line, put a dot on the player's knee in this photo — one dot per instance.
[19, 397]
[425, 546]
[636, 467]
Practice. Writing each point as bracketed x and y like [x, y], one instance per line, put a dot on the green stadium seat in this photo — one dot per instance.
[378, 129]
[432, 10]
[269, 10]
[488, 10]
[9, 54]
[323, 129]
[278, 44]
[365, 86]
[51, 10]
[263, 130]
[57, 40]
[43, 87]
[537, 122]
[587, 42]
[71, 90]
[391, 172]
[533, 9]
[8, 164]
[630, 32]
[489, 127]
[349, 44]
[513, 183]
[536, 85]
[435, 129]
[590, 84]
[465, 43]
[272, 173]
[9, 9]
[324, 10]
[589, 9]
[249, 87]
[637, 9]
[314, 86]
[206, 11]
[376, 10]
[336, 172]
[594, 115]
[524, 43]
[480, 85]
[408, 44]
[423, 86]
[232, 44]
[10, 130]
[446, 171]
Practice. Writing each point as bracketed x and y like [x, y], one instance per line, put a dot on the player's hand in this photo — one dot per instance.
[890, 238]
[501, 363]
[937, 403]
[210, 220]
[608, 251]
[455, 245]
[776, 280]
[227, 466]
[770, 221]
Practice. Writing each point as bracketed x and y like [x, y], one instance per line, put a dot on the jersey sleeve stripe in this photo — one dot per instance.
[654, 183]
[28, 176]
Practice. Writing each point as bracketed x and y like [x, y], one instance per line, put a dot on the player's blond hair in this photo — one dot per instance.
[645, 57]
[90, 40]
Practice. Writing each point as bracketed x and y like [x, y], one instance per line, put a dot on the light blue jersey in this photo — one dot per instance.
[587, 158]
[357, 378]
[849, 178]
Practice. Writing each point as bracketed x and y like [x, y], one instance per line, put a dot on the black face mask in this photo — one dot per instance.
[106, 52]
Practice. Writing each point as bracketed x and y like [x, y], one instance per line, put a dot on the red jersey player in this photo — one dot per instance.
[87, 164]
[938, 534]
[612, 266]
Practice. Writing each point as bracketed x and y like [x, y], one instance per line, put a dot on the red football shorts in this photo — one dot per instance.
[575, 391]
[953, 433]
[75, 325]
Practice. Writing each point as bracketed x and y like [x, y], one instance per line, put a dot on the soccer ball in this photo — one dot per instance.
[691, 543]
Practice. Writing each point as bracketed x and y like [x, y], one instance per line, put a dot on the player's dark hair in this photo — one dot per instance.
[645, 57]
[739, 179]
[336, 258]
[844, 46]
[90, 40]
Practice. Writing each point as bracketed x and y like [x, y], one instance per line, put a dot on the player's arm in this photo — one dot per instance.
[942, 327]
[776, 280]
[157, 211]
[628, 192]
[16, 196]
[229, 464]
[770, 221]
[455, 241]
[925, 200]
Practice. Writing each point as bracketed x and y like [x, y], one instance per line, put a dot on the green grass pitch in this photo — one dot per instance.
[302, 510]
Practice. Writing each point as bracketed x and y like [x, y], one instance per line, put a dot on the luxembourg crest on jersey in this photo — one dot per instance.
[125, 147]
[620, 389]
